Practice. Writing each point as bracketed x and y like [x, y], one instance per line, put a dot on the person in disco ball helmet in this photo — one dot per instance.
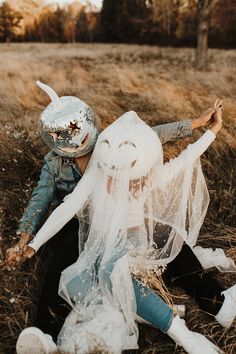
[70, 129]
[68, 125]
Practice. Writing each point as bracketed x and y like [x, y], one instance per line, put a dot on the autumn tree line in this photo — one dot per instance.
[162, 22]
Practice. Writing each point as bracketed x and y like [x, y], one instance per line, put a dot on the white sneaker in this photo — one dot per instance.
[192, 342]
[227, 313]
[33, 341]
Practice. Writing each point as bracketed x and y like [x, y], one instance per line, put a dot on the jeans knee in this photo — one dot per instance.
[77, 288]
[152, 308]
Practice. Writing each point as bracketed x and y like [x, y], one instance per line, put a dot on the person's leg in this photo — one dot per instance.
[151, 307]
[186, 272]
[156, 312]
[52, 309]
[80, 285]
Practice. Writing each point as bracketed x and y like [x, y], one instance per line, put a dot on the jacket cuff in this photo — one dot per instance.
[25, 228]
[187, 127]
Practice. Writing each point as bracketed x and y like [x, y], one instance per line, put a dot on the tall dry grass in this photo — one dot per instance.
[161, 85]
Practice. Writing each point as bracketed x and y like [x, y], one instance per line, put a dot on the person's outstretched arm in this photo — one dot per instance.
[64, 212]
[38, 206]
[184, 128]
[195, 150]
[59, 217]
[40, 200]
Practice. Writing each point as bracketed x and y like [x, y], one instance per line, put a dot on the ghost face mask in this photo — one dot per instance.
[128, 148]
[68, 125]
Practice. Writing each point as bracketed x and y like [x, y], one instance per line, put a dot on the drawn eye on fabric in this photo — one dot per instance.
[128, 143]
[106, 142]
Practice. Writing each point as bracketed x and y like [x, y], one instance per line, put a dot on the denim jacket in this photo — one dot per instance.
[59, 177]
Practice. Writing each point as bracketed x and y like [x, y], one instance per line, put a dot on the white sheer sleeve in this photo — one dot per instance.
[64, 212]
[188, 156]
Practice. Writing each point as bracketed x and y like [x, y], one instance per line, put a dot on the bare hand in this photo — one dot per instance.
[19, 252]
[15, 258]
[218, 111]
[217, 125]
[205, 118]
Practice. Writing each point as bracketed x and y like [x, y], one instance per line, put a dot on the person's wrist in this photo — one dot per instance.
[216, 127]
[197, 123]
[25, 237]
[23, 234]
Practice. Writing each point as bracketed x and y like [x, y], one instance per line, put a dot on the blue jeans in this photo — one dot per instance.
[150, 306]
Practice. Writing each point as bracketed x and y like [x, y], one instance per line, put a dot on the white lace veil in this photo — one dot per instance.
[137, 214]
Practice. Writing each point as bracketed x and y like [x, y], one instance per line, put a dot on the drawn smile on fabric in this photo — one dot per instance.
[132, 164]
[115, 167]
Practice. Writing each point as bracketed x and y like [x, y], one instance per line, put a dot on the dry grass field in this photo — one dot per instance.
[161, 85]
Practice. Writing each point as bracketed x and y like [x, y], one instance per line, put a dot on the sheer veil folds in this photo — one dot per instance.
[135, 213]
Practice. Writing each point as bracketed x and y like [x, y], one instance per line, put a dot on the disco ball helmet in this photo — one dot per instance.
[68, 125]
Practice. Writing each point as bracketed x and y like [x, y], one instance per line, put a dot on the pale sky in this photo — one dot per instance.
[97, 3]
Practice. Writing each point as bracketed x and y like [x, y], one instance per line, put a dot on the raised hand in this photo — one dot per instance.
[207, 117]
[204, 119]
[218, 111]
[218, 121]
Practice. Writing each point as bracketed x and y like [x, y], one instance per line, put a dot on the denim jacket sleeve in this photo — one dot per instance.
[173, 131]
[40, 201]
